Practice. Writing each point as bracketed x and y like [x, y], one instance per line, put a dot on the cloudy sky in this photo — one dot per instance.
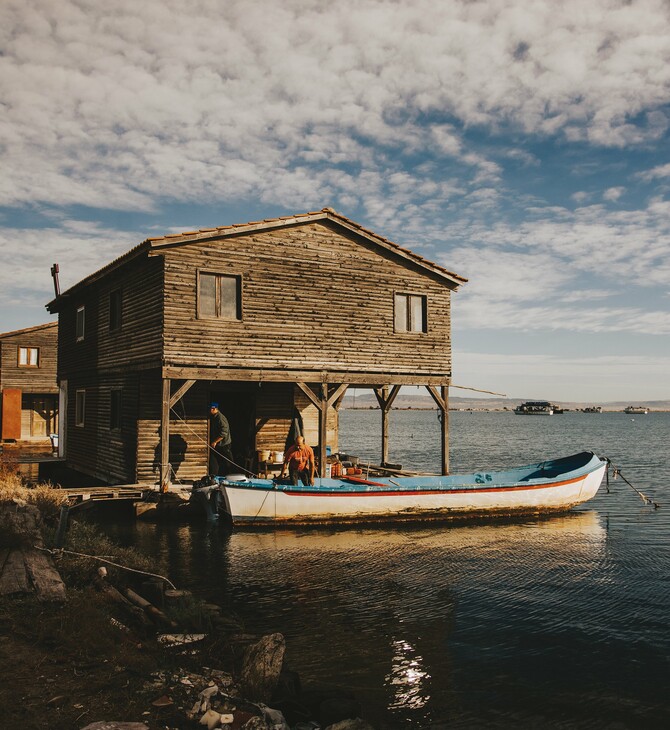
[521, 143]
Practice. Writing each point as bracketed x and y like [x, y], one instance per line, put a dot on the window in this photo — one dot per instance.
[115, 406]
[79, 407]
[115, 310]
[29, 357]
[219, 296]
[410, 313]
[81, 312]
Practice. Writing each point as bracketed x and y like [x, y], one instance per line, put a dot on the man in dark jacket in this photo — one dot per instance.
[220, 453]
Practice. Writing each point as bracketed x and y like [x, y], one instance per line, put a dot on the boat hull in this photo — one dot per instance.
[263, 501]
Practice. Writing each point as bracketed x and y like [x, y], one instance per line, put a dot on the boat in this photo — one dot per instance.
[535, 408]
[548, 486]
[639, 410]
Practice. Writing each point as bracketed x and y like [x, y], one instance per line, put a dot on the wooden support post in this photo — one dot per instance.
[445, 430]
[165, 436]
[385, 400]
[323, 401]
[323, 429]
[442, 400]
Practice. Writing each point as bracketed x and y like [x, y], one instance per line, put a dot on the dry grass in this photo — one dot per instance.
[13, 489]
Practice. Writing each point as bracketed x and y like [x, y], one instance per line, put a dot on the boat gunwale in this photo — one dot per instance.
[366, 490]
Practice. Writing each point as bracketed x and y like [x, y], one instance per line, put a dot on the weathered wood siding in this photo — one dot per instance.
[312, 298]
[41, 379]
[188, 432]
[137, 343]
[108, 359]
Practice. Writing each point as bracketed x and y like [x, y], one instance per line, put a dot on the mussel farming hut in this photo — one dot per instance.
[272, 319]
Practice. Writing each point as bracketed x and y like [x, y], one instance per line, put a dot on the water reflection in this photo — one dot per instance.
[394, 611]
[407, 678]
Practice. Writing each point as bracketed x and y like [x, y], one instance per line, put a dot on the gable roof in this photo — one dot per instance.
[326, 214]
[26, 330]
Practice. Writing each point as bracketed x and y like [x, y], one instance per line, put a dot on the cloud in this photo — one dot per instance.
[660, 171]
[124, 104]
[612, 194]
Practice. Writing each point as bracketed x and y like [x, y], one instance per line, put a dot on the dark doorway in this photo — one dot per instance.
[239, 407]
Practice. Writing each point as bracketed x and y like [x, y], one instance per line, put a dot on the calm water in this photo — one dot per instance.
[556, 623]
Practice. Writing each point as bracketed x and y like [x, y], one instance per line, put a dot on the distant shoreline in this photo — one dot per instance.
[496, 410]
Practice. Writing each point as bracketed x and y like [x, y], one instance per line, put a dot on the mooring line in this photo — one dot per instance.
[616, 472]
[60, 551]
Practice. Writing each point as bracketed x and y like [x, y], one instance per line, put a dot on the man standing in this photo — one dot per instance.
[221, 453]
[300, 461]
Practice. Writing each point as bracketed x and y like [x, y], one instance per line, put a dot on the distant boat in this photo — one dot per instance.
[555, 485]
[639, 410]
[536, 408]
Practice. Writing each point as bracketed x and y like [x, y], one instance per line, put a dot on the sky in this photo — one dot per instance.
[522, 144]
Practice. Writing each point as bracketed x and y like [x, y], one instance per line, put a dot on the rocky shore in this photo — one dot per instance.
[109, 648]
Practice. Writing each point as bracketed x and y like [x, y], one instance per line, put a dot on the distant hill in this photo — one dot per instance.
[425, 402]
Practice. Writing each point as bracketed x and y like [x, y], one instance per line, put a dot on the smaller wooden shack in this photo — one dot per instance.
[28, 386]
[273, 319]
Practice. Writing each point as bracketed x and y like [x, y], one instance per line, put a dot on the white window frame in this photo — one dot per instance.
[25, 362]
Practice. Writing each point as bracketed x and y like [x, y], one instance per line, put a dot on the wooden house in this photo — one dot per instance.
[267, 318]
[28, 386]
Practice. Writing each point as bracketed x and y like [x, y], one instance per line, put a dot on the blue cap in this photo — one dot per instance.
[213, 405]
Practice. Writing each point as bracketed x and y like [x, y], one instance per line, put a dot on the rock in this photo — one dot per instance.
[211, 719]
[262, 666]
[355, 724]
[114, 725]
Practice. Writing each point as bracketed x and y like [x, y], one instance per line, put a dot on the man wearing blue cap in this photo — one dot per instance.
[220, 453]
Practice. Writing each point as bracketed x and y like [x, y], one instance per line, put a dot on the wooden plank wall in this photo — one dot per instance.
[41, 379]
[312, 298]
[188, 432]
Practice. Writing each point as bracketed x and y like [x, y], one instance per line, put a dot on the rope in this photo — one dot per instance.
[478, 390]
[209, 446]
[60, 551]
[616, 472]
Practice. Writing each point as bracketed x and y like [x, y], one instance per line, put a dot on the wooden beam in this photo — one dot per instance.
[385, 400]
[442, 400]
[370, 379]
[445, 431]
[181, 392]
[310, 394]
[323, 429]
[337, 394]
[165, 436]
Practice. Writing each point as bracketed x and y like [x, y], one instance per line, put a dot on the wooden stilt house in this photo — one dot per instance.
[267, 318]
[28, 386]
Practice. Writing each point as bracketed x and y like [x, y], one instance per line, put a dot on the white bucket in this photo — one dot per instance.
[263, 455]
[277, 457]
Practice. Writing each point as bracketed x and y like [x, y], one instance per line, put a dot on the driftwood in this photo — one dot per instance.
[23, 571]
[115, 597]
[154, 613]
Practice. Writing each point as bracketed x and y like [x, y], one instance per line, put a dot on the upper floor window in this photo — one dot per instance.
[81, 321]
[29, 357]
[79, 407]
[115, 310]
[220, 296]
[410, 313]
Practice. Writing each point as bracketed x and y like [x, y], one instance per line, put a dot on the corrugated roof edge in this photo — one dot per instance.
[298, 218]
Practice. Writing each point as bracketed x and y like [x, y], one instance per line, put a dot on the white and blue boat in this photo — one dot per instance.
[548, 486]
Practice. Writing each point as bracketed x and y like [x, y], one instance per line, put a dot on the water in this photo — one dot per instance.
[553, 623]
